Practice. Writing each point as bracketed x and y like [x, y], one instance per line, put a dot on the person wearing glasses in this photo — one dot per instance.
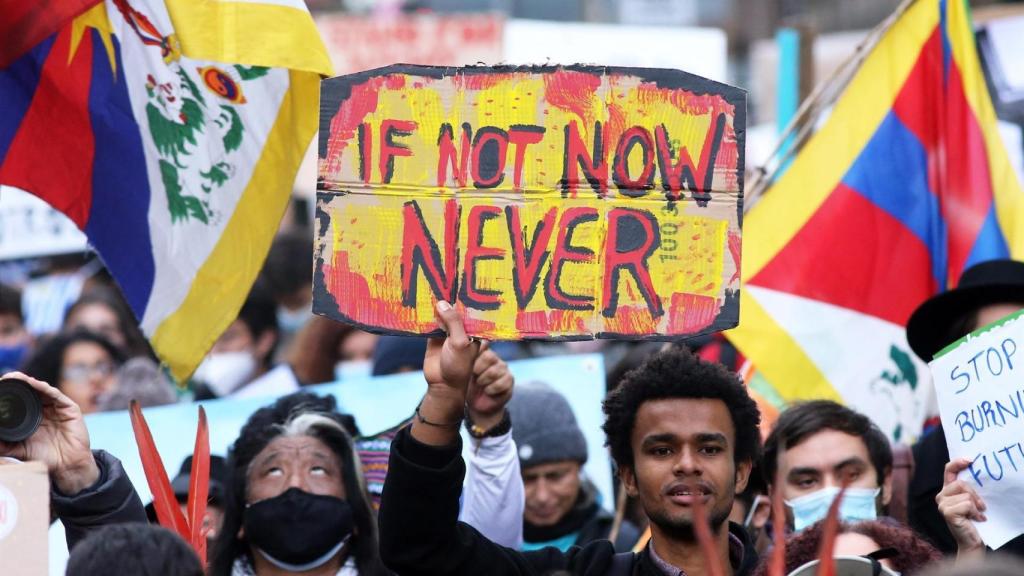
[82, 364]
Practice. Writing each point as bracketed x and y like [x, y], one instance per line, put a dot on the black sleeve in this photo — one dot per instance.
[420, 532]
[112, 500]
[930, 458]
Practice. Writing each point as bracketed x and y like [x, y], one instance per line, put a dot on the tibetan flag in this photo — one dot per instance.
[170, 132]
[903, 186]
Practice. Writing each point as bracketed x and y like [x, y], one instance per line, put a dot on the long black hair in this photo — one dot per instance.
[330, 427]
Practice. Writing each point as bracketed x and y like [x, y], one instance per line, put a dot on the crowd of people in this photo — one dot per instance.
[488, 476]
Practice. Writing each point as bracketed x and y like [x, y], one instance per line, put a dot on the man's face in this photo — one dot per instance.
[237, 338]
[828, 459]
[551, 490]
[677, 460]
[993, 312]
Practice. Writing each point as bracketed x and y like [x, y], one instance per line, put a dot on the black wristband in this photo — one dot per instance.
[435, 424]
[499, 429]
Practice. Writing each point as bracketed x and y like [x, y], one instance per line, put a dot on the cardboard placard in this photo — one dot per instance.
[24, 518]
[979, 381]
[555, 202]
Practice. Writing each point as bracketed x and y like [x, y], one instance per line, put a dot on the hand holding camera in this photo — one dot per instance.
[61, 440]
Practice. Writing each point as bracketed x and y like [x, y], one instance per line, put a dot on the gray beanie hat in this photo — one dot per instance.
[544, 427]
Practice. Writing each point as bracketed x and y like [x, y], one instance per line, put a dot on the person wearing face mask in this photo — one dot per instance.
[241, 360]
[15, 341]
[288, 274]
[296, 502]
[818, 447]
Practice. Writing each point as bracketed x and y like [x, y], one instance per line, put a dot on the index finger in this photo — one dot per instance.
[451, 322]
[47, 392]
[954, 468]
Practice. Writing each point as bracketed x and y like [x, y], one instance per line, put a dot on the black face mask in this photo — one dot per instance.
[298, 531]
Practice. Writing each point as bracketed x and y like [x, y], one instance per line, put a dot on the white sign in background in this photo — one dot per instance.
[979, 381]
[30, 227]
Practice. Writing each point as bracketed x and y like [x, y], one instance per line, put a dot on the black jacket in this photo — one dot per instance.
[111, 500]
[420, 532]
[589, 521]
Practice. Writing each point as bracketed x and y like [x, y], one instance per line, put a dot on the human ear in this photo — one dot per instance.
[743, 468]
[628, 479]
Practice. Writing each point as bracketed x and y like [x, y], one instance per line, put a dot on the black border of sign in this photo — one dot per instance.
[340, 88]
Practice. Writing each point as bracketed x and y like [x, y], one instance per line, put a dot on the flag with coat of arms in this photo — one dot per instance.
[170, 132]
[900, 189]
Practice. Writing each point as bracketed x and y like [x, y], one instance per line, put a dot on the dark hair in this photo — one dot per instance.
[289, 264]
[10, 301]
[135, 342]
[677, 373]
[915, 552]
[755, 487]
[137, 549]
[48, 360]
[803, 420]
[265, 425]
[259, 314]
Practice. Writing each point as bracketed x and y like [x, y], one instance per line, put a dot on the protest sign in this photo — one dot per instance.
[24, 518]
[556, 202]
[979, 381]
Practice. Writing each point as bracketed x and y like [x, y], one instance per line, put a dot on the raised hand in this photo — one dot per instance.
[447, 368]
[61, 442]
[961, 506]
[490, 389]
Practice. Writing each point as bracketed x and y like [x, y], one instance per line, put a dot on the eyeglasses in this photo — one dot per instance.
[82, 372]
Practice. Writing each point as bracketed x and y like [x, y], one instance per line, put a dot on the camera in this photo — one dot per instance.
[21, 410]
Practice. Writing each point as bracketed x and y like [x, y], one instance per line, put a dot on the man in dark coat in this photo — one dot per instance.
[684, 433]
[562, 507]
[987, 292]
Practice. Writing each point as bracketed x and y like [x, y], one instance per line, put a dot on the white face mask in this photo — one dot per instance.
[290, 321]
[225, 372]
[353, 369]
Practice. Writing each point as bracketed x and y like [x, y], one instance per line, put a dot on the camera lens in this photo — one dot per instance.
[20, 410]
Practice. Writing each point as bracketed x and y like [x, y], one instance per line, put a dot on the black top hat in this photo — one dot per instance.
[992, 282]
[181, 483]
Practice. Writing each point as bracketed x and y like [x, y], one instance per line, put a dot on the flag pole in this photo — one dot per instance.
[824, 94]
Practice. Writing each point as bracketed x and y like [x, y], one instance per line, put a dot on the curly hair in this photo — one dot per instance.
[914, 552]
[317, 416]
[677, 373]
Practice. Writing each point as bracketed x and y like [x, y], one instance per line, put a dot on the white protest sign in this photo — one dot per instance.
[979, 381]
[30, 227]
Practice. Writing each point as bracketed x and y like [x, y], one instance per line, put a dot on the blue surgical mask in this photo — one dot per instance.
[858, 504]
[290, 321]
[11, 357]
[353, 369]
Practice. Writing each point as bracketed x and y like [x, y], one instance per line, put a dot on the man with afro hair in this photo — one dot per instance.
[681, 430]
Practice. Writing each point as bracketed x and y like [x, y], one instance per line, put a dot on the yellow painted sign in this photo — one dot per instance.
[556, 202]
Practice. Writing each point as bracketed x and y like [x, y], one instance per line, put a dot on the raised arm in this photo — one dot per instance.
[492, 494]
[419, 528]
[88, 488]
